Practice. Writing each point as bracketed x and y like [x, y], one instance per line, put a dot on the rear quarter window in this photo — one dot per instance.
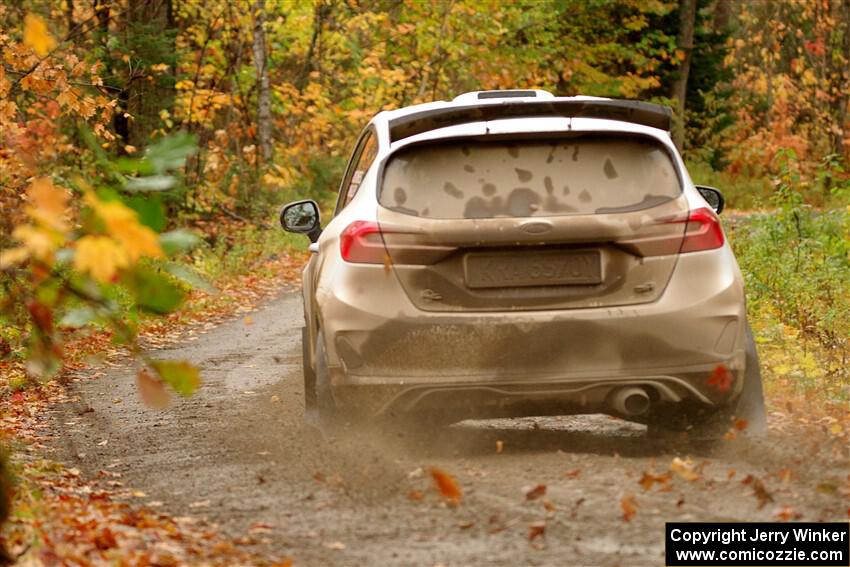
[588, 174]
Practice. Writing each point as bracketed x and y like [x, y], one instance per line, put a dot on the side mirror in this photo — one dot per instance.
[302, 217]
[713, 197]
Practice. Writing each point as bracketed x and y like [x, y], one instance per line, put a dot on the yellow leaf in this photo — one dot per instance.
[36, 35]
[123, 223]
[100, 256]
[684, 468]
[12, 256]
[137, 239]
[48, 204]
[39, 242]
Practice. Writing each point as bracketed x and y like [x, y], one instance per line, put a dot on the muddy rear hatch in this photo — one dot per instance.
[491, 225]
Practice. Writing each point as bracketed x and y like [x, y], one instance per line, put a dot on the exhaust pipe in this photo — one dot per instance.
[631, 401]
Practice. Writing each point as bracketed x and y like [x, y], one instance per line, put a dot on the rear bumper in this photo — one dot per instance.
[386, 360]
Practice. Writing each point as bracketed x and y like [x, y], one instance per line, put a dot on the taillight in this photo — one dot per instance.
[361, 243]
[703, 231]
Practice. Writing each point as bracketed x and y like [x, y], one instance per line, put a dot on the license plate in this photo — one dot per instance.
[528, 269]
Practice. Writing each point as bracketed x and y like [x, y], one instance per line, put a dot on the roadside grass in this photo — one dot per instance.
[796, 263]
[741, 192]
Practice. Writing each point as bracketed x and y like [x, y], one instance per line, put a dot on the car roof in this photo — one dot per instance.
[482, 106]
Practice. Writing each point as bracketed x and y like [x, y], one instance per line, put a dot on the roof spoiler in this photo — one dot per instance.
[637, 112]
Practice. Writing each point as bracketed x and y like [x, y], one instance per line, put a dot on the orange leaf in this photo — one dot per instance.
[151, 390]
[787, 513]
[684, 468]
[36, 35]
[447, 485]
[648, 480]
[721, 379]
[759, 490]
[536, 530]
[534, 492]
[629, 506]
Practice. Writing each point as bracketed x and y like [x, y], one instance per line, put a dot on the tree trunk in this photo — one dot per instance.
[841, 76]
[69, 15]
[685, 44]
[264, 104]
[320, 12]
[722, 15]
[150, 31]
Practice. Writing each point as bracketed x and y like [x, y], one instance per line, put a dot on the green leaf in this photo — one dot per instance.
[177, 241]
[78, 317]
[170, 152]
[150, 210]
[150, 183]
[188, 276]
[130, 166]
[154, 291]
[184, 378]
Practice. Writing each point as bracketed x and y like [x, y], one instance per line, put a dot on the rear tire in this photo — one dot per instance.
[328, 416]
[749, 406]
[309, 378]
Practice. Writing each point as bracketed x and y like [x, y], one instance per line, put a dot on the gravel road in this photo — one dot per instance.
[238, 454]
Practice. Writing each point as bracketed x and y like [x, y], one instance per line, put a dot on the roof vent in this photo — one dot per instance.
[509, 93]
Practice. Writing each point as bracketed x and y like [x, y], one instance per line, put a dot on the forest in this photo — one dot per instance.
[147, 145]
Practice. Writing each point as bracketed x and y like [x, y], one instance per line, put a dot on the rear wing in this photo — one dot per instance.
[637, 112]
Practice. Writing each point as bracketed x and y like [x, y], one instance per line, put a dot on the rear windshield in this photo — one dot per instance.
[526, 178]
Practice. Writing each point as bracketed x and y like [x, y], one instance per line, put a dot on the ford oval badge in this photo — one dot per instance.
[535, 227]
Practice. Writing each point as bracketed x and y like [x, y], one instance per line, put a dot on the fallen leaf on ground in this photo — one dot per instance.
[759, 490]
[536, 530]
[785, 475]
[105, 540]
[628, 505]
[260, 528]
[534, 492]
[684, 468]
[786, 514]
[415, 495]
[446, 485]
[575, 473]
[500, 445]
[648, 480]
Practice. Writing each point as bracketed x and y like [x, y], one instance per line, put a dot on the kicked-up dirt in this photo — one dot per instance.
[587, 490]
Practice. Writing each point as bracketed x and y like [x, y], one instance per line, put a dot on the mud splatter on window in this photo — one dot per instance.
[482, 179]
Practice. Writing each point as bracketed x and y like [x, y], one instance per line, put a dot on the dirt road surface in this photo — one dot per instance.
[238, 454]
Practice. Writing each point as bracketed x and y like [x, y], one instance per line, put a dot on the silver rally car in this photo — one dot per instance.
[513, 253]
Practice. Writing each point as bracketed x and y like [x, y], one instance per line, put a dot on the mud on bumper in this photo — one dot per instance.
[456, 398]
